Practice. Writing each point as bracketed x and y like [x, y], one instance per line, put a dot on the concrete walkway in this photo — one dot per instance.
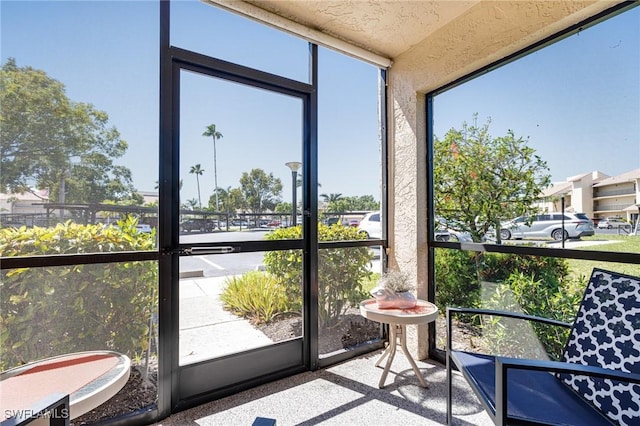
[206, 329]
[345, 394]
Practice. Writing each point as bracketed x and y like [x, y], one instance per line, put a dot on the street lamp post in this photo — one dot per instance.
[294, 166]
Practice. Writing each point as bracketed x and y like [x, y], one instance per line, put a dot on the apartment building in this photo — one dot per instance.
[596, 194]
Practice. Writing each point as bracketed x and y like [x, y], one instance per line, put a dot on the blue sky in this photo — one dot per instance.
[577, 101]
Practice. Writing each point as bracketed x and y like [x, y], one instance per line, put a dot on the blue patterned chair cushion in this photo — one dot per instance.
[606, 333]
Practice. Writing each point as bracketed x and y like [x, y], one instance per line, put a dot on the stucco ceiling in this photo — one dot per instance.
[449, 38]
[389, 28]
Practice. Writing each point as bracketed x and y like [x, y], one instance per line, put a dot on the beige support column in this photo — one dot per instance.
[408, 193]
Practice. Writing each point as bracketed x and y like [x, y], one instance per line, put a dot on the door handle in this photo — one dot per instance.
[199, 251]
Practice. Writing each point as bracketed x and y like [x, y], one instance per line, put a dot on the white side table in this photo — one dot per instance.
[398, 319]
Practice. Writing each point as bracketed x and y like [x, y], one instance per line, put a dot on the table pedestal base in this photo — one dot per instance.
[397, 331]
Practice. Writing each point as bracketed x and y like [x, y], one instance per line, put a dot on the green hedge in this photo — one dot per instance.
[459, 273]
[456, 278]
[539, 286]
[522, 292]
[342, 272]
[47, 311]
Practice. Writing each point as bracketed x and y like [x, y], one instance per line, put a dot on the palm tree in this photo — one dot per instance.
[211, 131]
[331, 198]
[197, 170]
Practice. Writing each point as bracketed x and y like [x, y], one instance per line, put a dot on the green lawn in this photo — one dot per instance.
[624, 243]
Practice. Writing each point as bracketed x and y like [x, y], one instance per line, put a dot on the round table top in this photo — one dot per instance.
[423, 313]
[89, 378]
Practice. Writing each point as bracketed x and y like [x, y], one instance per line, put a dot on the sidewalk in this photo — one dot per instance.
[206, 329]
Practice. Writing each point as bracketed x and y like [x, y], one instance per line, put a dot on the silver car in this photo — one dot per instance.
[613, 223]
[444, 232]
[548, 225]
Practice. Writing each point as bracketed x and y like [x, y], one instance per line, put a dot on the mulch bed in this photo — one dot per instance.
[351, 331]
[136, 394]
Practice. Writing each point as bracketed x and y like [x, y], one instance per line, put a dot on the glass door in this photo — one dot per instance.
[240, 227]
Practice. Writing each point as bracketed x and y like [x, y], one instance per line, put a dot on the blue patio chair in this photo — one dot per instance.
[596, 381]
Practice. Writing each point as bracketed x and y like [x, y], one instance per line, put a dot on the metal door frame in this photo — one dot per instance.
[186, 386]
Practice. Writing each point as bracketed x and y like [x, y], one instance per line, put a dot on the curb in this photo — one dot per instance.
[191, 274]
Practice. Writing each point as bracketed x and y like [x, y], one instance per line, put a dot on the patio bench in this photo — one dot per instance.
[596, 381]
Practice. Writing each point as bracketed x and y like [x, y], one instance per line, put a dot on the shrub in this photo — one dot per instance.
[456, 278]
[47, 311]
[342, 272]
[459, 273]
[538, 286]
[255, 295]
[498, 267]
[524, 293]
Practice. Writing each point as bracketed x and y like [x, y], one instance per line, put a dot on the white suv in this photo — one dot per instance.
[371, 225]
[548, 225]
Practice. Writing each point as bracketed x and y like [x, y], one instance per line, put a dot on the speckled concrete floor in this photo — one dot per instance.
[345, 394]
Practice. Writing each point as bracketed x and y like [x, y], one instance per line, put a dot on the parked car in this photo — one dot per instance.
[331, 221]
[548, 225]
[144, 228]
[444, 232]
[202, 225]
[371, 225]
[240, 222]
[610, 223]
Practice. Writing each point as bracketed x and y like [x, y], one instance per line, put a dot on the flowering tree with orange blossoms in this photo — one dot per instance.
[480, 181]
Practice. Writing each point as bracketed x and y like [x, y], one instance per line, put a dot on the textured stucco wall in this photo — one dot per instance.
[487, 32]
[407, 191]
